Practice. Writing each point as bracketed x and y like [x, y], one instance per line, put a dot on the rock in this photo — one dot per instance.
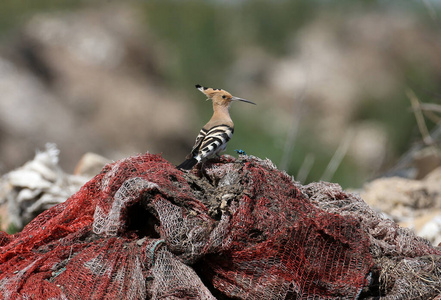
[90, 164]
[35, 187]
[411, 203]
[431, 228]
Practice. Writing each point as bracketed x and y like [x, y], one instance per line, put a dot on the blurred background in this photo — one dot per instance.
[344, 89]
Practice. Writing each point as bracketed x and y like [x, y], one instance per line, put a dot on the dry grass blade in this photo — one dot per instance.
[305, 168]
[416, 108]
[338, 157]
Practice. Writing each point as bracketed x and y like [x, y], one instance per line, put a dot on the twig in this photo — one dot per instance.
[430, 107]
[430, 110]
[416, 107]
[432, 116]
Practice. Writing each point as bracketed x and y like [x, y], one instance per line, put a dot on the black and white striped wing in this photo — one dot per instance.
[197, 143]
[215, 140]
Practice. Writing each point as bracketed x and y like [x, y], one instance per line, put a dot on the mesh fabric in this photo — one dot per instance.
[235, 229]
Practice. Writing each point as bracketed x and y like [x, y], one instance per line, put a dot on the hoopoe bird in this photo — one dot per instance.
[214, 136]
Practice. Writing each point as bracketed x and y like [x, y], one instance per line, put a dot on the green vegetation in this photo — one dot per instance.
[205, 38]
[202, 40]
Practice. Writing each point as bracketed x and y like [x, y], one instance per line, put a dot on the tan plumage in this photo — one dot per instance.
[214, 136]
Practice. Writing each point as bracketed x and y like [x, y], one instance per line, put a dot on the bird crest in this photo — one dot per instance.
[220, 96]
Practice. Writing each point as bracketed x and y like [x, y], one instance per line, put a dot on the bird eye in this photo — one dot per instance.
[223, 97]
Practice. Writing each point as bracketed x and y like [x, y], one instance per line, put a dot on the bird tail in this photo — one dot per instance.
[188, 164]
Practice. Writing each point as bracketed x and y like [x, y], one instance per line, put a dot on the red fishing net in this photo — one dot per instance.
[238, 229]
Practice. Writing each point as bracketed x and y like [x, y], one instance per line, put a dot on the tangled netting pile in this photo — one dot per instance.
[238, 229]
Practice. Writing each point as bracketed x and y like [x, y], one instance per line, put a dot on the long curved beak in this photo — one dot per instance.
[243, 100]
